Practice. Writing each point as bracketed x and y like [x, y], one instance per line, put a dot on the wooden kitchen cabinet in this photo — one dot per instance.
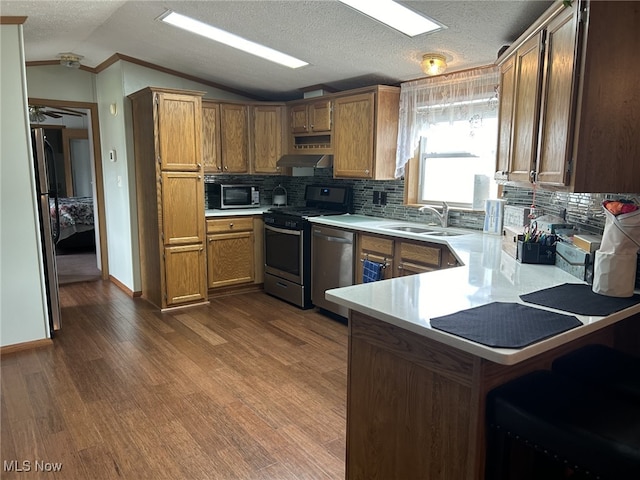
[234, 138]
[211, 137]
[586, 113]
[365, 134]
[226, 137]
[413, 258]
[232, 251]
[402, 257]
[521, 93]
[376, 249]
[242, 137]
[267, 138]
[167, 131]
[311, 117]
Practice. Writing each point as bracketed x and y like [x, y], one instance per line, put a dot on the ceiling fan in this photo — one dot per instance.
[39, 113]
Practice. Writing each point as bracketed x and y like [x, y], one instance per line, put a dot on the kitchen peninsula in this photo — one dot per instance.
[416, 395]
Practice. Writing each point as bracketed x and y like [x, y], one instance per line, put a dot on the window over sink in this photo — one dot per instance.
[448, 137]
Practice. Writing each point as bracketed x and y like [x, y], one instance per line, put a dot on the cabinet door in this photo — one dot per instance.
[556, 133]
[234, 128]
[375, 249]
[412, 258]
[185, 278]
[320, 116]
[179, 131]
[230, 259]
[353, 136]
[182, 215]
[526, 112]
[211, 137]
[267, 138]
[298, 115]
[505, 117]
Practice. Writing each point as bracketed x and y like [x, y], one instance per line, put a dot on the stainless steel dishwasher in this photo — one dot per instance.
[331, 265]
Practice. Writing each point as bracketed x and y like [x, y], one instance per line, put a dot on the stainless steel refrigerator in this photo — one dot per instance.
[43, 157]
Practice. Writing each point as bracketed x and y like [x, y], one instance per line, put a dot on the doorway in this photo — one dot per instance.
[81, 250]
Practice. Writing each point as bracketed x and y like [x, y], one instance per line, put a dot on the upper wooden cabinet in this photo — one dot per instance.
[234, 138]
[226, 137]
[242, 137]
[267, 138]
[211, 137]
[585, 107]
[178, 117]
[365, 134]
[313, 117]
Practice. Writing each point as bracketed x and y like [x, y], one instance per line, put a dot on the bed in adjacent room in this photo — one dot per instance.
[73, 221]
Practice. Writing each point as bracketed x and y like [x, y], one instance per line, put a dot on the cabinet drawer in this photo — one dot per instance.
[382, 246]
[230, 224]
[411, 252]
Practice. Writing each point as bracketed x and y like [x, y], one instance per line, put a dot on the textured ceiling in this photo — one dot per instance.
[344, 48]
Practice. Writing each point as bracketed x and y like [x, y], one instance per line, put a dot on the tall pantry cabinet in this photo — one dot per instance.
[167, 131]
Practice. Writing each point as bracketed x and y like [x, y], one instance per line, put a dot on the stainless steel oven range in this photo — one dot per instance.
[287, 242]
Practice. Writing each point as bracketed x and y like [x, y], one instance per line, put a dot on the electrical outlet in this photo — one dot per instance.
[383, 198]
[376, 198]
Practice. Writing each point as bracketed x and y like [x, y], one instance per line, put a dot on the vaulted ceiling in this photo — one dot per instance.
[344, 48]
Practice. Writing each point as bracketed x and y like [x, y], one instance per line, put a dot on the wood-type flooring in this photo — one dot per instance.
[248, 387]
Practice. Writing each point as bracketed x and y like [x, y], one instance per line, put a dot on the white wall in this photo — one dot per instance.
[111, 86]
[118, 180]
[23, 311]
[55, 82]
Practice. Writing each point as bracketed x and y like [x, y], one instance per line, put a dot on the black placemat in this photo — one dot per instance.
[506, 325]
[578, 298]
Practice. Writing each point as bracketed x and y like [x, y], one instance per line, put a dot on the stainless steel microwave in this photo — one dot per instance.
[222, 196]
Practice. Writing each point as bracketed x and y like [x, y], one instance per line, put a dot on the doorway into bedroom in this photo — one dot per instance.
[76, 181]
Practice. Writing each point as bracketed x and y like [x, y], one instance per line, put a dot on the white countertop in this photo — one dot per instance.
[487, 275]
[235, 212]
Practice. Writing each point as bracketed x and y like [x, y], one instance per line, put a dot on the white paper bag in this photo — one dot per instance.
[614, 268]
[614, 275]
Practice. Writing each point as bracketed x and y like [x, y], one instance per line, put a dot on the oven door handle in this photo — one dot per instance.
[283, 230]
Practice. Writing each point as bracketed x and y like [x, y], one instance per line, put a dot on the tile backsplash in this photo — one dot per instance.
[583, 210]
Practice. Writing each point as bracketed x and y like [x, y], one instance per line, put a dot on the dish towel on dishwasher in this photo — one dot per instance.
[371, 271]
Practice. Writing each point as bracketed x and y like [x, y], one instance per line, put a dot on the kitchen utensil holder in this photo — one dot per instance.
[533, 252]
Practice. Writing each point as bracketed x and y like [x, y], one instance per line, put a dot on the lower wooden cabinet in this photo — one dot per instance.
[402, 257]
[234, 251]
[185, 276]
[375, 249]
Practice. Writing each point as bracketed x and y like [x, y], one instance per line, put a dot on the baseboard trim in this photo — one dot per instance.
[18, 347]
[124, 288]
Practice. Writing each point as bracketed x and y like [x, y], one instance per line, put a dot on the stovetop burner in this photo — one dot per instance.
[320, 200]
[305, 212]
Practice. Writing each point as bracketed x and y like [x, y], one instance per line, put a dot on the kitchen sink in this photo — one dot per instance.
[426, 231]
[406, 228]
[443, 234]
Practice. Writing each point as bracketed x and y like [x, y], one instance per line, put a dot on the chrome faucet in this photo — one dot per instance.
[443, 217]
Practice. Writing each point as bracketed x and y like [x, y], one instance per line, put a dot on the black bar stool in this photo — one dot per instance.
[588, 433]
[599, 366]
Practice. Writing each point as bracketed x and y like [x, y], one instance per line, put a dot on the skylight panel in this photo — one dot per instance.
[395, 16]
[222, 36]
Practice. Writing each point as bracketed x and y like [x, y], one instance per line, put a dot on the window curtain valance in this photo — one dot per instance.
[456, 96]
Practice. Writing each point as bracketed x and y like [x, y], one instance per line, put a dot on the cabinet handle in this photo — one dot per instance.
[199, 177]
[367, 172]
[532, 176]
[230, 225]
[199, 165]
[219, 167]
[226, 168]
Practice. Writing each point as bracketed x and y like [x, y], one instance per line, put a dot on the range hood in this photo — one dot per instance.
[297, 160]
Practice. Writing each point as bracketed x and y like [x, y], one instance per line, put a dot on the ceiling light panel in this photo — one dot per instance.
[395, 15]
[222, 36]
